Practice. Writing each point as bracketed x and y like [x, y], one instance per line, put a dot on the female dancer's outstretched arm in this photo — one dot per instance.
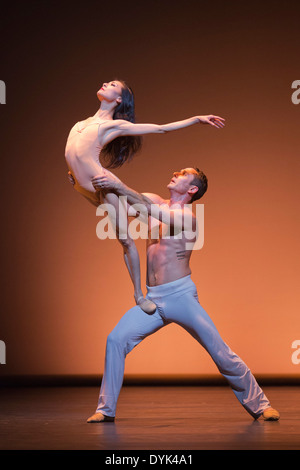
[119, 127]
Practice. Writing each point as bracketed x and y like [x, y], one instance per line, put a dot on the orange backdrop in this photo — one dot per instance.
[64, 289]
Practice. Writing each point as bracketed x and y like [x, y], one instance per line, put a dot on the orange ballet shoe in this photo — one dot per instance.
[100, 418]
[270, 414]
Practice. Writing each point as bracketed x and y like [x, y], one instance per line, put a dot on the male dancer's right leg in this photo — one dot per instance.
[133, 327]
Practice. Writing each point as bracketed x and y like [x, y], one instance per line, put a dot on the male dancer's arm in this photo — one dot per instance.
[156, 207]
[130, 210]
[108, 181]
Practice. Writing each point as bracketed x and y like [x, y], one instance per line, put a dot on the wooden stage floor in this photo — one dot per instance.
[149, 418]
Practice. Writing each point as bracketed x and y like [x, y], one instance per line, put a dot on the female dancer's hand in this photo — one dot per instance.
[215, 121]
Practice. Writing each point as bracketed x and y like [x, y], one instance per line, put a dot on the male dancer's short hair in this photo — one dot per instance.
[201, 181]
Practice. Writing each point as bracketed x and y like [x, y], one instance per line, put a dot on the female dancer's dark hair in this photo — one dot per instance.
[122, 149]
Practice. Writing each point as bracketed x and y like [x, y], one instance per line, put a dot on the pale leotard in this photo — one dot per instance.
[82, 156]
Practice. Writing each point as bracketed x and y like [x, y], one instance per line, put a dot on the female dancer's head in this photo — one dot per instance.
[111, 93]
[121, 97]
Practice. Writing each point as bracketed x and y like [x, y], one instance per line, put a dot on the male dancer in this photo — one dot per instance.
[170, 287]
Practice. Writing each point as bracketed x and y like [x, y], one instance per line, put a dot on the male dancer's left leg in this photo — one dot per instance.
[133, 327]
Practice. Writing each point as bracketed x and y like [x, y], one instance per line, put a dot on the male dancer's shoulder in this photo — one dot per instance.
[155, 198]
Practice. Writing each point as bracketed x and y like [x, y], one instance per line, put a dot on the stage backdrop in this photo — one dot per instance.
[63, 289]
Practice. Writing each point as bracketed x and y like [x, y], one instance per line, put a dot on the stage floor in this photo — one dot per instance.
[149, 418]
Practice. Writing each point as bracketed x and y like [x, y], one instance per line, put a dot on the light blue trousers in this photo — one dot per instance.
[176, 302]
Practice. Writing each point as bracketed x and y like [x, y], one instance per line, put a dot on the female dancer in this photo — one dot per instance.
[112, 131]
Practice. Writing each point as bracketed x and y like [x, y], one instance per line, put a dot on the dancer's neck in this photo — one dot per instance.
[106, 111]
[180, 199]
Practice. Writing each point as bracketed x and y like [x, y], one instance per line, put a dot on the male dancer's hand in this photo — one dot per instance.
[106, 180]
[215, 121]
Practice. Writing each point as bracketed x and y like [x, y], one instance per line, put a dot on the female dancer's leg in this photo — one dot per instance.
[130, 253]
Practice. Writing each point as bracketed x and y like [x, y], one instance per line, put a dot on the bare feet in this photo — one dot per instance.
[99, 418]
[270, 414]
